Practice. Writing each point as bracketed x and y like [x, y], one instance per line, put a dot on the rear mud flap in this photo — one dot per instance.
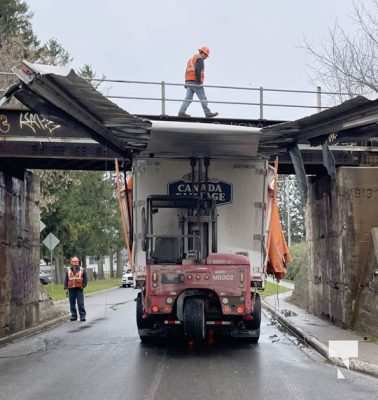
[159, 332]
[245, 333]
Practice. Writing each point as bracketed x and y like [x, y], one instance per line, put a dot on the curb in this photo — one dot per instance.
[321, 348]
[33, 330]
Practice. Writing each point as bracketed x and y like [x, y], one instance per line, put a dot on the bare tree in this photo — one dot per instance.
[347, 62]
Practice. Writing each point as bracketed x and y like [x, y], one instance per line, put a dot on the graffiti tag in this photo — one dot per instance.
[4, 124]
[36, 122]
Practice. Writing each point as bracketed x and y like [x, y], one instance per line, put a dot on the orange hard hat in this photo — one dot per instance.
[205, 50]
[75, 261]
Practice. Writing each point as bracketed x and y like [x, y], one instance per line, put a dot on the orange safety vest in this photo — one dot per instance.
[190, 73]
[75, 279]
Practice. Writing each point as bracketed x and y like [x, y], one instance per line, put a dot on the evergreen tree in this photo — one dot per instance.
[15, 22]
[291, 208]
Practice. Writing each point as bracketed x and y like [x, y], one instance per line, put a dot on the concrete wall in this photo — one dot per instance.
[341, 284]
[19, 252]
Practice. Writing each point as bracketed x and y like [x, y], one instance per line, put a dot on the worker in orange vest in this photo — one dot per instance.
[75, 281]
[194, 78]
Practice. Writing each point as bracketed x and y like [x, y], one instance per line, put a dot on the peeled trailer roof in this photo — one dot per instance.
[61, 95]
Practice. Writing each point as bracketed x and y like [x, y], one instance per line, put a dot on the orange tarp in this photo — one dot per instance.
[277, 250]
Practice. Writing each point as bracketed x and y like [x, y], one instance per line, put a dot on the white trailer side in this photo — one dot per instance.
[241, 211]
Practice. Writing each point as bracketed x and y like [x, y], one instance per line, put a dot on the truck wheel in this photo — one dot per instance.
[143, 324]
[256, 313]
[194, 319]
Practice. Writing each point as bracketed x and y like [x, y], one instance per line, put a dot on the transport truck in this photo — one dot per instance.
[199, 213]
[201, 232]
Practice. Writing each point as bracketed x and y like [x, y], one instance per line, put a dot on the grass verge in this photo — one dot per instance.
[56, 292]
[271, 289]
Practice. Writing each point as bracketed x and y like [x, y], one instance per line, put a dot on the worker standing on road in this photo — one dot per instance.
[75, 281]
[194, 78]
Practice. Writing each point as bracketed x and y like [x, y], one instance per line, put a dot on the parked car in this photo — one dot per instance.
[45, 274]
[44, 278]
[127, 279]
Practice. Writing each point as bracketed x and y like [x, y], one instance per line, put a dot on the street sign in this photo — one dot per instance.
[42, 226]
[51, 241]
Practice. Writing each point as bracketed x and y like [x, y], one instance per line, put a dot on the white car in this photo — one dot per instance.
[127, 279]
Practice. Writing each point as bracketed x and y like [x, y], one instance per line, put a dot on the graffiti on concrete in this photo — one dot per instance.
[36, 122]
[4, 124]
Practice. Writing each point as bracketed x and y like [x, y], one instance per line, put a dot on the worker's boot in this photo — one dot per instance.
[183, 115]
[211, 115]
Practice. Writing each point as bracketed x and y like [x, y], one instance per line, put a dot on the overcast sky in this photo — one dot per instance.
[252, 42]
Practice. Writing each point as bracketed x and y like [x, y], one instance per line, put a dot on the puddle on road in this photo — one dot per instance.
[284, 336]
[116, 306]
[39, 345]
[87, 325]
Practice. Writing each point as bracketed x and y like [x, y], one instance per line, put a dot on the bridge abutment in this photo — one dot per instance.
[19, 252]
[341, 283]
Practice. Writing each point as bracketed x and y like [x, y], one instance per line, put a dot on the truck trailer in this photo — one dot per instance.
[201, 229]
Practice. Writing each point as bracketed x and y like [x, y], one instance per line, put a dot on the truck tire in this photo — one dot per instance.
[139, 312]
[256, 313]
[254, 325]
[194, 319]
[143, 324]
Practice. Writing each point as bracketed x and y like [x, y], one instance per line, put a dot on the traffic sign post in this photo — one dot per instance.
[51, 241]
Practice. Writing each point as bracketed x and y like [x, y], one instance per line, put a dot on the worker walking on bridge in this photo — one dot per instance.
[75, 281]
[194, 78]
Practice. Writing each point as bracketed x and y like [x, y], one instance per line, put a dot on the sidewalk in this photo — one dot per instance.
[317, 332]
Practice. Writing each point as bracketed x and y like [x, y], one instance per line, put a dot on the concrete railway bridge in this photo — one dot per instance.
[61, 122]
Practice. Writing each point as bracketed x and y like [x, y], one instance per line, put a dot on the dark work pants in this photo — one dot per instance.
[77, 295]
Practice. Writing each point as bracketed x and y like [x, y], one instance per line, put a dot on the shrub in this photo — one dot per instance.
[299, 252]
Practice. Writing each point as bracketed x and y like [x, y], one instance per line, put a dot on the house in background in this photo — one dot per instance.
[92, 263]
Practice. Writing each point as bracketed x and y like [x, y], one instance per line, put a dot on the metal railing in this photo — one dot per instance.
[261, 91]
[163, 99]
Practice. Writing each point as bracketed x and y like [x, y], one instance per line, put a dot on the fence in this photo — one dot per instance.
[261, 92]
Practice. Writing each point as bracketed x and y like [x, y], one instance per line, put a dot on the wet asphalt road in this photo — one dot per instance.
[103, 359]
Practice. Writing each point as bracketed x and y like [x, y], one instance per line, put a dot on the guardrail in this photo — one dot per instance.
[261, 104]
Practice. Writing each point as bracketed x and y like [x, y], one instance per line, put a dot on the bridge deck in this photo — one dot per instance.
[84, 130]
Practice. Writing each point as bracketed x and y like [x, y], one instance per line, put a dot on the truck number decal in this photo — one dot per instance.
[223, 277]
